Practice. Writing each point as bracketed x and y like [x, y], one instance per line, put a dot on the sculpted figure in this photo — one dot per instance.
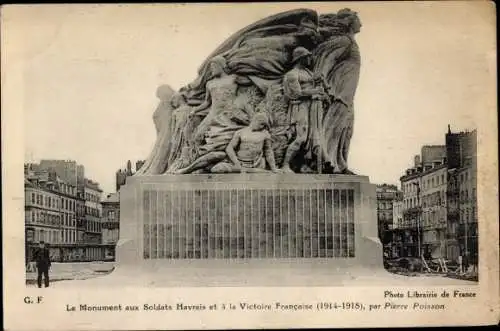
[299, 85]
[184, 122]
[338, 59]
[224, 125]
[157, 161]
[300, 69]
[219, 97]
[276, 105]
[249, 150]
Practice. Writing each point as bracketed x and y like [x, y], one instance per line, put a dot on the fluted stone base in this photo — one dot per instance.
[248, 216]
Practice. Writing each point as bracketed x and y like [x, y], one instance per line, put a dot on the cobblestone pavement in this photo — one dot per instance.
[73, 271]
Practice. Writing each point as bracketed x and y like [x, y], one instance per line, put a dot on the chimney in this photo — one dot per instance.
[417, 160]
[129, 168]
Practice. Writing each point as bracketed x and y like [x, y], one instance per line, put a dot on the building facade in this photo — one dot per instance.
[397, 227]
[69, 246]
[50, 215]
[62, 208]
[416, 221]
[80, 217]
[111, 223]
[440, 201]
[93, 212]
[43, 218]
[462, 222]
[433, 193]
[386, 195]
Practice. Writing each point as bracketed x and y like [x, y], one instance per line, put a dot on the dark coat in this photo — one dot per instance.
[42, 258]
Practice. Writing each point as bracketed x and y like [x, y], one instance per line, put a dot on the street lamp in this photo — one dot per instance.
[417, 184]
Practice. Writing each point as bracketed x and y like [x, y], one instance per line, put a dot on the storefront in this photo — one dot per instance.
[71, 252]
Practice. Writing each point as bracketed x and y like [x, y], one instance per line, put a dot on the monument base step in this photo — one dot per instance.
[256, 273]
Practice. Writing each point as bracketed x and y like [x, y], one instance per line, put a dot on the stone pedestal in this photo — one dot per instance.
[248, 216]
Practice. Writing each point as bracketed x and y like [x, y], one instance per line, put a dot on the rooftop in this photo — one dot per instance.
[92, 185]
[112, 198]
[419, 172]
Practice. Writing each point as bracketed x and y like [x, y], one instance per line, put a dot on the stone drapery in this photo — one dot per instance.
[256, 60]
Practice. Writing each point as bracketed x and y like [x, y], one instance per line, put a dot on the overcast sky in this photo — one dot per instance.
[91, 72]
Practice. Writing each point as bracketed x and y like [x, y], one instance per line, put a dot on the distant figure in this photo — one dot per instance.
[465, 262]
[460, 264]
[42, 259]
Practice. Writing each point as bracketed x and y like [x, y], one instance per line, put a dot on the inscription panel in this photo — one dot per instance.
[248, 223]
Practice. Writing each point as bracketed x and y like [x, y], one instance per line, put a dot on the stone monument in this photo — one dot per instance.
[250, 160]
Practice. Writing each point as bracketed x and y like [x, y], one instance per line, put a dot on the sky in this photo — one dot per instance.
[90, 75]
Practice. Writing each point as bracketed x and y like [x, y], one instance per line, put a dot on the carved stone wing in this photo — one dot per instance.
[272, 25]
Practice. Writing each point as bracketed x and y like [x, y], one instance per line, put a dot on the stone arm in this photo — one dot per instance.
[231, 149]
[269, 154]
[294, 90]
[242, 113]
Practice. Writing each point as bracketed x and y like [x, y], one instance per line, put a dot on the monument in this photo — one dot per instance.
[250, 160]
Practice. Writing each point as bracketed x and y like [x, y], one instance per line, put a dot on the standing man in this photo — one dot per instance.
[305, 105]
[42, 259]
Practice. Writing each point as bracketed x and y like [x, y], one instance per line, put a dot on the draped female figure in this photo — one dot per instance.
[338, 60]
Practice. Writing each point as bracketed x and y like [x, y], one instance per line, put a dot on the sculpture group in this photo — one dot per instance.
[276, 96]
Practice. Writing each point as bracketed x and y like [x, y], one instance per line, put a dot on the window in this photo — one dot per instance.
[442, 179]
[33, 199]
